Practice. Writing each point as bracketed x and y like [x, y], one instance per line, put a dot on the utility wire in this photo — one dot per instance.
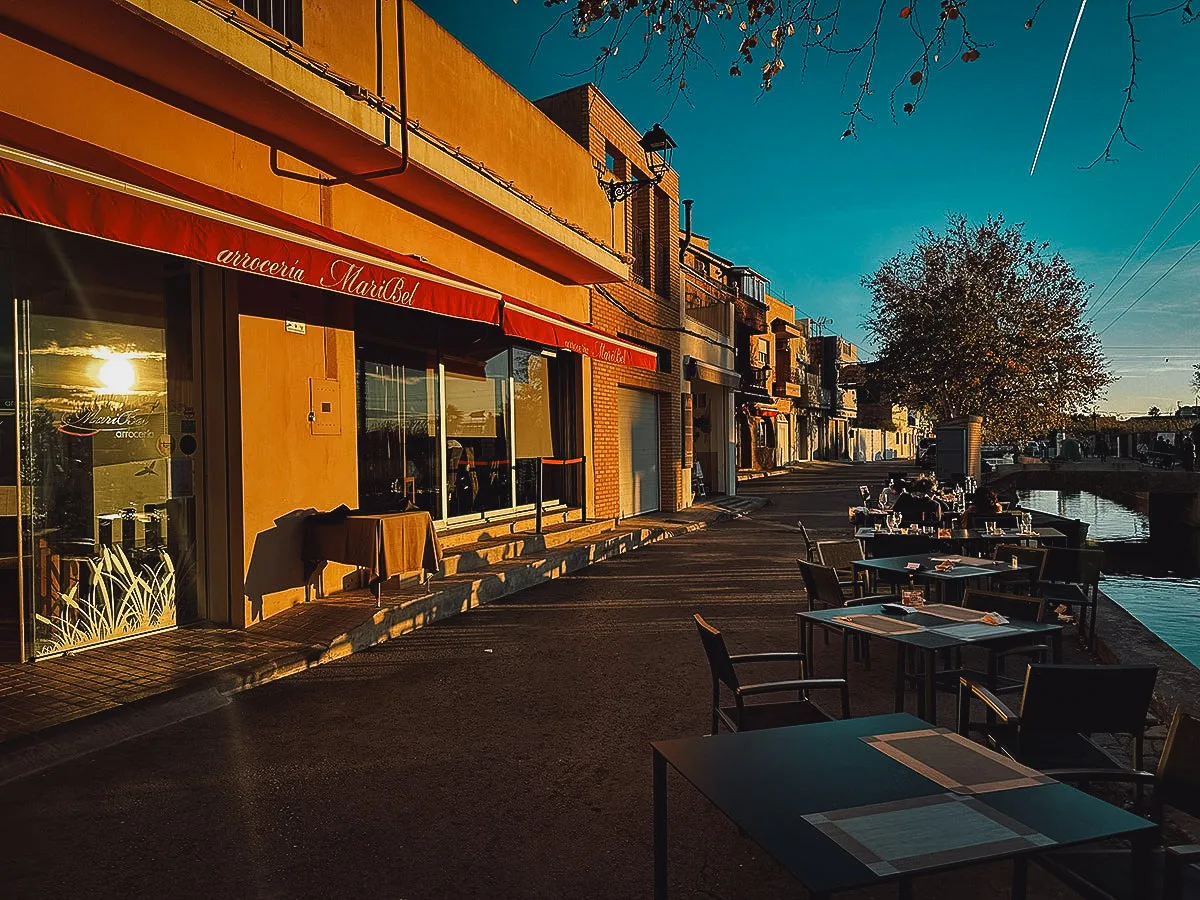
[1149, 231]
[1145, 262]
[1136, 299]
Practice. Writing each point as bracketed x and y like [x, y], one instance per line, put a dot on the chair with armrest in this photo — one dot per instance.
[743, 716]
[841, 556]
[1026, 556]
[1061, 707]
[1105, 873]
[810, 546]
[1026, 648]
[1072, 578]
[824, 590]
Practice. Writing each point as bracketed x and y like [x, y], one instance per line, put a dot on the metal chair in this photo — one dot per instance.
[1032, 648]
[1061, 707]
[742, 716]
[824, 590]
[1026, 556]
[1106, 873]
[810, 546]
[1072, 578]
[841, 556]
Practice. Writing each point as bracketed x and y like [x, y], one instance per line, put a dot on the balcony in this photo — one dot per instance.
[848, 401]
[707, 301]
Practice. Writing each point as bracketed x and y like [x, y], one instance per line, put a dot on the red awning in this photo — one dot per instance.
[542, 327]
[56, 180]
[768, 413]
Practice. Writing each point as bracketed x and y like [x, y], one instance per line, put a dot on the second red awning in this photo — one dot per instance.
[529, 323]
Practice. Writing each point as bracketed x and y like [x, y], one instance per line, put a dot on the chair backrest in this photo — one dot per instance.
[1073, 566]
[718, 656]
[1104, 699]
[821, 584]
[884, 545]
[1177, 782]
[1011, 606]
[1026, 556]
[839, 555]
[810, 546]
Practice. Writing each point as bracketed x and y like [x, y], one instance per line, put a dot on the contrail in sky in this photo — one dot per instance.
[1057, 85]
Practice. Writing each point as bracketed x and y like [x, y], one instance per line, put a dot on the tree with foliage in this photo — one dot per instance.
[1196, 381]
[980, 320]
[759, 34]
[1154, 411]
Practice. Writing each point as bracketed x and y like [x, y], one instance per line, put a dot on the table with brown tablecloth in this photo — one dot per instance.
[384, 545]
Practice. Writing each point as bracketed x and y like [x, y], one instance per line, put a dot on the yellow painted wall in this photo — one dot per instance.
[287, 471]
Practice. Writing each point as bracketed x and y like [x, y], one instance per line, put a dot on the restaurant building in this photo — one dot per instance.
[264, 263]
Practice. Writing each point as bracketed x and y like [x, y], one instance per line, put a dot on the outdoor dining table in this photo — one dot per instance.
[859, 802]
[965, 539]
[950, 583]
[925, 633]
[382, 545]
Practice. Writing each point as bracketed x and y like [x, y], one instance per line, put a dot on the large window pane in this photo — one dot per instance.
[478, 454]
[531, 413]
[105, 398]
[398, 435]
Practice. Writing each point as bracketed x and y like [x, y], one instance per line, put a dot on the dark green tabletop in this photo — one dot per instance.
[897, 565]
[766, 781]
[937, 633]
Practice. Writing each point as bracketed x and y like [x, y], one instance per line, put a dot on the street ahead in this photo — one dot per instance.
[502, 753]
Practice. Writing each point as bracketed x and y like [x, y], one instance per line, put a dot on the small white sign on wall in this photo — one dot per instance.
[295, 327]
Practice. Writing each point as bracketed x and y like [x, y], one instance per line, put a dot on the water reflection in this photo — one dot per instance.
[1157, 579]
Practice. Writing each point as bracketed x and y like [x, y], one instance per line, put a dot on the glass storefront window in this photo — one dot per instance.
[478, 450]
[105, 387]
[531, 414]
[466, 405]
[399, 458]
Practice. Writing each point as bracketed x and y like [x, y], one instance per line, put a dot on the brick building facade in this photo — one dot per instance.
[647, 309]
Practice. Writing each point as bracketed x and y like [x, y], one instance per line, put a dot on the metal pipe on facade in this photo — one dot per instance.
[687, 229]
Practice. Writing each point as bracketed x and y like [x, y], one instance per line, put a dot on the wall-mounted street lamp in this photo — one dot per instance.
[657, 145]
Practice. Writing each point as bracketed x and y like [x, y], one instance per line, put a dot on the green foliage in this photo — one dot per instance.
[980, 320]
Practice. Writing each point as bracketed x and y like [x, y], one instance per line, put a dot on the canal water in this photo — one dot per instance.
[1157, 580]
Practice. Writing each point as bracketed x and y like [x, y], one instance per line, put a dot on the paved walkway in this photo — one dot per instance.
[502, 753]
[35, 697]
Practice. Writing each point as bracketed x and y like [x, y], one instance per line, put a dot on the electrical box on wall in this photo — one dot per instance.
[324, 411]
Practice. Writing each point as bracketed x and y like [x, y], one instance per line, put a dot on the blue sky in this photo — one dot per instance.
[776, 187]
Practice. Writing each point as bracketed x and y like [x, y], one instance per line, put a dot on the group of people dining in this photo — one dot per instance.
[921, 501]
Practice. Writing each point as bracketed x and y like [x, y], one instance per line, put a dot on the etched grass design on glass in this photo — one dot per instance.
[120, 601]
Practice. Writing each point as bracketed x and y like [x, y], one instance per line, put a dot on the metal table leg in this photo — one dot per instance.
[900, 654]
[930, 687]
[660, 826]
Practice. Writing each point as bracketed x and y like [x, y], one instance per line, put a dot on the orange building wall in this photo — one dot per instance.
[288, 472]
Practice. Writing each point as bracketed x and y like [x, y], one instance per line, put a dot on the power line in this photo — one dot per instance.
[1136, 299]
[1145, 262]
[1149, 231]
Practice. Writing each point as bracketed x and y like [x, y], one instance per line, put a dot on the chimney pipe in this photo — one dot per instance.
[687, 229]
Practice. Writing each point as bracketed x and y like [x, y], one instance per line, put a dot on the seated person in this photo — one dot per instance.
[889, 495]
[983, 504]
[917, 507]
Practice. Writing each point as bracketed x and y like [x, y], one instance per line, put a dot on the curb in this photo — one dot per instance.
[33, 753]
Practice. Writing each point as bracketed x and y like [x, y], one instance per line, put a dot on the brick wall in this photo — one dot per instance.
[651, 314]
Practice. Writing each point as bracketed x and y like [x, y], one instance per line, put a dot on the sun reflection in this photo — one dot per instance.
[116, 374]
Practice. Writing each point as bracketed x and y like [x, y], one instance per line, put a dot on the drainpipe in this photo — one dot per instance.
[687, 229]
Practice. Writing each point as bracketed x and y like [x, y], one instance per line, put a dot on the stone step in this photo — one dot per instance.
[474, 533]
[485, 553]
